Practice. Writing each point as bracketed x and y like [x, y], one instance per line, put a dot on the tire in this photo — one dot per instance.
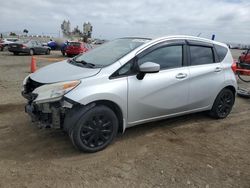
[15, 53]
[31, 52]
[95, 129]
[47, 52]
[223, 104]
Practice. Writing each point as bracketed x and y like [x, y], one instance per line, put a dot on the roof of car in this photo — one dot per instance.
[186, 37]
[178, 37]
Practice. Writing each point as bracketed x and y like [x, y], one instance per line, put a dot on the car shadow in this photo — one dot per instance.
[32, 143]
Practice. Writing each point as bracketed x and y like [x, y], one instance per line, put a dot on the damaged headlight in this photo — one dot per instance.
[53, 92]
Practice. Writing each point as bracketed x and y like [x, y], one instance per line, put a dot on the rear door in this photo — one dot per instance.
[159, 94]
[206, 75]
[33, 45]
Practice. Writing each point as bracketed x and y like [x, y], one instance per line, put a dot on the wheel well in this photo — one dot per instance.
[116, 109]
[231, 88]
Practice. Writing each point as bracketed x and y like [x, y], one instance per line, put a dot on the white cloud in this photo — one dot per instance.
[228, 19]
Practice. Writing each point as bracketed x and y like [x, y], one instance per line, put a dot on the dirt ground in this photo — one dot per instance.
[188, 151]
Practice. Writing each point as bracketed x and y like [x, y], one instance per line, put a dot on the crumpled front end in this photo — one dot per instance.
[45, 105]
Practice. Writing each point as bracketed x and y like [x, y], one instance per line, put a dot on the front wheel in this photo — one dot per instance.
[223, 104]
[95, 129]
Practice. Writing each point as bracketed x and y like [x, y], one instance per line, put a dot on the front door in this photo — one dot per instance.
[160, 94]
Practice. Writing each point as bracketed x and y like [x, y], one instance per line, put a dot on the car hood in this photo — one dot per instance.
[62, 71]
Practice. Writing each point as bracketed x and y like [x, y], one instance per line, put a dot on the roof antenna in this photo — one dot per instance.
[199, 35]
[213, 36]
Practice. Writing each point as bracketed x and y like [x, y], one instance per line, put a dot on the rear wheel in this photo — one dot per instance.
[223, 104]
[31, 52]
[95, 129]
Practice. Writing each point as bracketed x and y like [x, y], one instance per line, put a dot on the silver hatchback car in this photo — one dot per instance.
[130, 81]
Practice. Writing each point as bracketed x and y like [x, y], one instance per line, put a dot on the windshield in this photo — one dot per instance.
[110, 52]
[74, 44]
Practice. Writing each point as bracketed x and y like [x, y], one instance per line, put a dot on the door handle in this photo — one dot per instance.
[181, 75]
[218, 69]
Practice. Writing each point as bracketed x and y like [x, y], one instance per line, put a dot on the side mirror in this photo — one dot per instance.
[148, 67]
[243, 53]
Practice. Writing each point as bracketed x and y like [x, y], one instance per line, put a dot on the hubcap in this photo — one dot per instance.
[96, 131]
[225, 103]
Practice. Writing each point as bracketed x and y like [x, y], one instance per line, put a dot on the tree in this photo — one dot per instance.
[25, 31]
[12, 34]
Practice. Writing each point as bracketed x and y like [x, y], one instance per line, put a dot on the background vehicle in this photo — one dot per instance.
[245, 57]
[75, 48]
[29, 47]
[53, 45]
[5, 42]
[98, 42]
[1, 47]
[131, 81]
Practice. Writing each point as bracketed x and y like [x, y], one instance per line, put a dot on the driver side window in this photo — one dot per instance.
[167, 57]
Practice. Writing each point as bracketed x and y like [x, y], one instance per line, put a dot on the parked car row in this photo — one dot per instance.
[32, 47]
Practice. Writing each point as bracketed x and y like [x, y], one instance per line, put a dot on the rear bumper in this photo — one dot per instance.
[73, 52]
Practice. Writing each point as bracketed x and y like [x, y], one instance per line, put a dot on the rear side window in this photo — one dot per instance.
[201, 55]
[221, 52]
[167, 57]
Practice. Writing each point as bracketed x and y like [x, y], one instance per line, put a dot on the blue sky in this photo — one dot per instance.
[228, 19]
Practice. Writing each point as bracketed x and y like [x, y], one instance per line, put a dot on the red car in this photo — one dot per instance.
[245, 57]
[75, 48]
[244, 60]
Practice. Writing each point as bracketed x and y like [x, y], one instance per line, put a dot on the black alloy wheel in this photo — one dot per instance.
[95, 130]
[223, 104]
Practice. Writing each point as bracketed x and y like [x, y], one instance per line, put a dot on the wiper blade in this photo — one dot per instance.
[85, 63]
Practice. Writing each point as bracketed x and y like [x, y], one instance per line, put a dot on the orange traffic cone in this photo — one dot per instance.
[33, 65]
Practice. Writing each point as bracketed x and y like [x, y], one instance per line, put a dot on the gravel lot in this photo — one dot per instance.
[188, 151]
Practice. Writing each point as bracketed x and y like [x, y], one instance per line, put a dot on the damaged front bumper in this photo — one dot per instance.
[49, 114]
[46, 102]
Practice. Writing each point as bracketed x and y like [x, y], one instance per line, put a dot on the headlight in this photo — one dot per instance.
[53, 92]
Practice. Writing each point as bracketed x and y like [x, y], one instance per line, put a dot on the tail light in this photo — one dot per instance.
[234, 66]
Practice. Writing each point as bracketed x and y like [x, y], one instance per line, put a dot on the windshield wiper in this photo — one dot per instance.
[85, 63]
[82, 63]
